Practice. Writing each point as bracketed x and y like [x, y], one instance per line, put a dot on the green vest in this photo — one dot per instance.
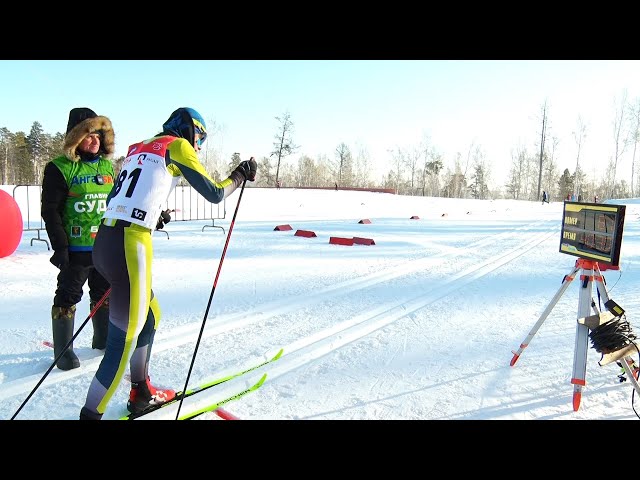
[86, 200]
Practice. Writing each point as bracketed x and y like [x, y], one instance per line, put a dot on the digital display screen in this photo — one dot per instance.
[592, 231]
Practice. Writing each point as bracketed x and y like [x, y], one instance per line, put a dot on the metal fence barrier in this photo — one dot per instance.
[28, 199]
[186, 203]
[190, 205]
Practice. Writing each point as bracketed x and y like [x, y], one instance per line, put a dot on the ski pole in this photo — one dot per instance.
[91, 314]
[213, 289]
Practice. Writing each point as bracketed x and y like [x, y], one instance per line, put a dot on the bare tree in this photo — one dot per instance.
[579, 135]
[634, 135]
[473, 149]
[344, 161]
[362, 167]
[455, 185]
[398, 158]
[307, 172]
[543, 135]
[427, 154]
[411, 162]
[620, 141]
[283, 146]
[211, 157]
[549, 169]
[517, 172]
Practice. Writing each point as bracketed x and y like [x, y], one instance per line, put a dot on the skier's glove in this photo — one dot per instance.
[163, 219]
[248, 169]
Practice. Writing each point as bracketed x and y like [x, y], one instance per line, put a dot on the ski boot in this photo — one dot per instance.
[144, 396]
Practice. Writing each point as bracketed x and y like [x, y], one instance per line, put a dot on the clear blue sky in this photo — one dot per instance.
[376, 104]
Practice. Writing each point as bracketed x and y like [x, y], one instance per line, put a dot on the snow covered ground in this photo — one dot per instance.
[419, 325]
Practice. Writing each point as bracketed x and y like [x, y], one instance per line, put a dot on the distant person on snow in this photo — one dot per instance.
[545, 197]
[75, 186]
[123, 252]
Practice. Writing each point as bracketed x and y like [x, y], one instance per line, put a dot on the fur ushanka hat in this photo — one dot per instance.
[82, 122]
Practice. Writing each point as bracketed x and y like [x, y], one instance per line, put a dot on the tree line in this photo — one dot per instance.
[417, 170]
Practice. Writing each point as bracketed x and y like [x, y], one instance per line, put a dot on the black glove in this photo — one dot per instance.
[248, 169]
[60, 258]
[163, 219]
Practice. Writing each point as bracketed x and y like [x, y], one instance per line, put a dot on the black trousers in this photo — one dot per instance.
[72, 278]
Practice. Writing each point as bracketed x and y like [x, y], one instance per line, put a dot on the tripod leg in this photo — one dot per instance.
[582, 339]
[631, 375]
[565, 284]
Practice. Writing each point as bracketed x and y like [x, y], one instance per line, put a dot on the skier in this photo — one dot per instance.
[123, 252]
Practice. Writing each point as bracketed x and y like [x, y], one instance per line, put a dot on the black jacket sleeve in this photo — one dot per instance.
[54, 195]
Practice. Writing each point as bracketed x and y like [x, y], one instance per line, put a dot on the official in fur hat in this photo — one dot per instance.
[75, 187]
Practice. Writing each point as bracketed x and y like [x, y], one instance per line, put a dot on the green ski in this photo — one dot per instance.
[220, 403]
[204, 386]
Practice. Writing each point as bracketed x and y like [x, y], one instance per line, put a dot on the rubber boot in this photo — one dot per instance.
[62, 319]
[100, 325]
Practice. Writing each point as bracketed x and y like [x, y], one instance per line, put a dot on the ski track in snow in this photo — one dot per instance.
[312, 347]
